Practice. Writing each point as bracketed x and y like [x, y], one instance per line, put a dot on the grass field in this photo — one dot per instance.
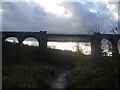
[33, 67]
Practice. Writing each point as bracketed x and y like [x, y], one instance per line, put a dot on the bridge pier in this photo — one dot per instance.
[43, 44]
[96, 48]
[41, 37]
[43, 40]
[115, 48]
[20, 41]
[96, 45]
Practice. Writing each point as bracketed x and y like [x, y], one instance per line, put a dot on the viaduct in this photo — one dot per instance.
[43, 37]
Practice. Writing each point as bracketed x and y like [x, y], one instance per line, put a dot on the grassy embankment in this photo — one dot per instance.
[32, 67]
[95, 72]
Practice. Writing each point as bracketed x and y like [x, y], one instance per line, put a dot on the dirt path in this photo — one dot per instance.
[60, 81]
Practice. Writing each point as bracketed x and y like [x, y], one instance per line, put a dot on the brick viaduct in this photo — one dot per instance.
[43, 38]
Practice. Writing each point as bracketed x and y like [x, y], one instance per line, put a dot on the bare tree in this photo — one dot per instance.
[100, 29]
[95, 29]
[89, 30]
[52, 46]
[78, 48]
[114, 30]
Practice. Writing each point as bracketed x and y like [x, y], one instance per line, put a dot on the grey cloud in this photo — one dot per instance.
[21, 16]
[91, 19]
[24, 16]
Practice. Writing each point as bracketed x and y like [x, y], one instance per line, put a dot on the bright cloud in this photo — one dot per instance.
[51, 6]
[57, 16]
[71, 46]
[1, 10]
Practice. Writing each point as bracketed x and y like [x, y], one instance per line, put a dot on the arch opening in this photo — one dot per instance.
[118, 44]
[106, 47]
[12, 39]
[83, 47]
[31, 41]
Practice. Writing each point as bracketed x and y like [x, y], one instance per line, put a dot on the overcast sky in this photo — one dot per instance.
[59, 17]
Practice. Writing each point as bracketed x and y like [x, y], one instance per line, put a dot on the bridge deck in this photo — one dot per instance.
[69, 37]
[58, 37]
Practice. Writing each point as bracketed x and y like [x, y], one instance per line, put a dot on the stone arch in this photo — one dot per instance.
[118, 45]
[31, 41]
[114, 42]
[106, 47]
[4, 37]
[12, 39]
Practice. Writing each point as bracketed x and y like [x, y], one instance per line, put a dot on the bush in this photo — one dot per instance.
[99, 72]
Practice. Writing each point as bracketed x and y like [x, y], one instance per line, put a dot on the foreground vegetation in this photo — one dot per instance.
[95, 72]
[33, 67]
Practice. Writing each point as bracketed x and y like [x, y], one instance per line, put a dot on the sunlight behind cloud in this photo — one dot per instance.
[1, 10]
[116, 15]
[54, 7]
[51, 6]
[93, 11]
